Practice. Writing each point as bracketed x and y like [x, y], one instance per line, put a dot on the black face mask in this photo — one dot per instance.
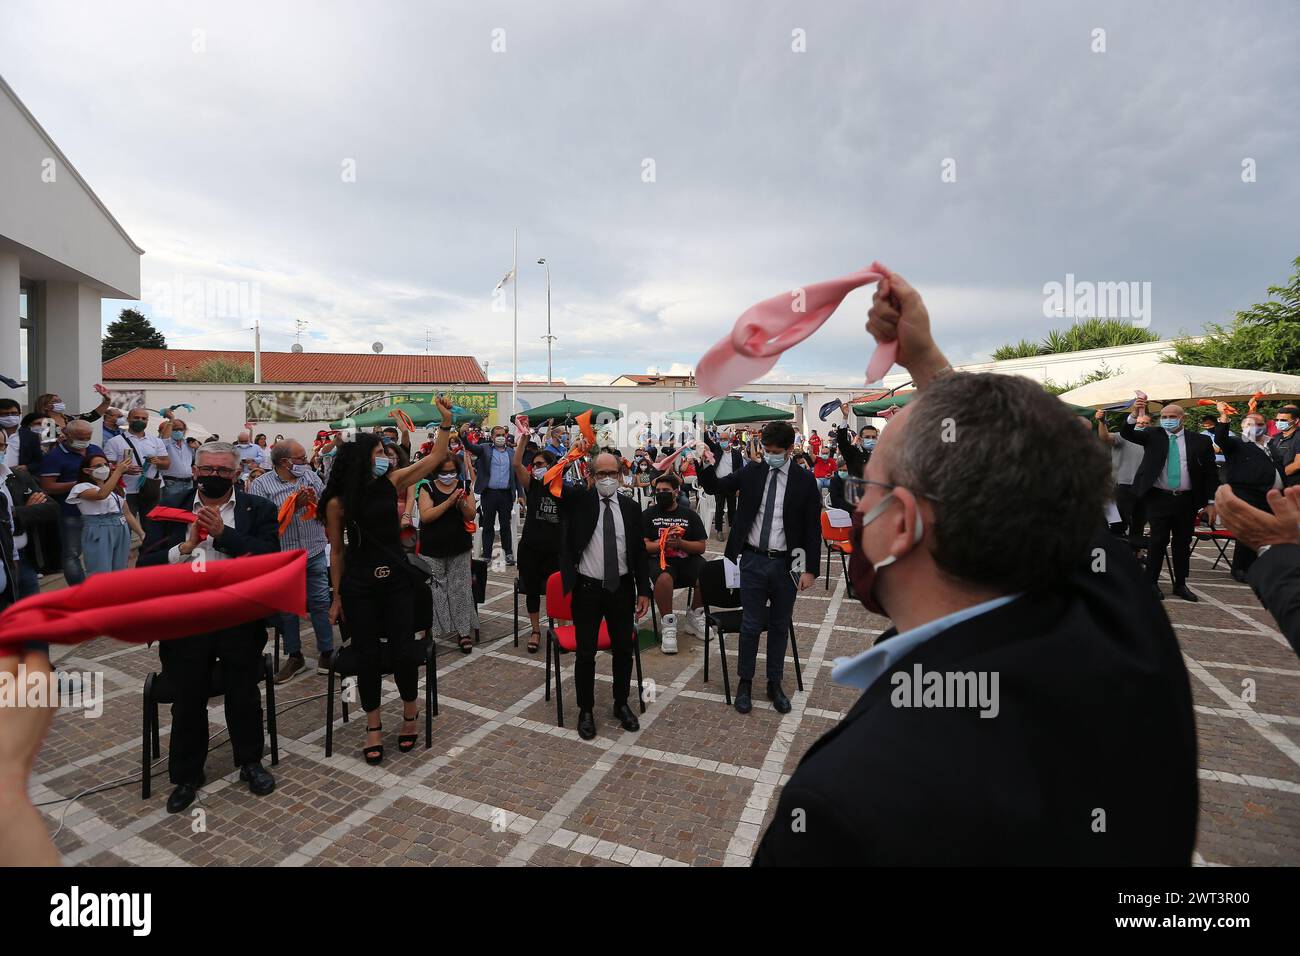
[214, 486]
[138, 426]
[665, 499]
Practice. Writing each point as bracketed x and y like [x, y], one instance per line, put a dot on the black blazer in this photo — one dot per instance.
[1275, 578]
[802, 514]
[256, 531]
[737, 457]
[855, 456]
[1095, 714]
[580, 513]
[1201, 468]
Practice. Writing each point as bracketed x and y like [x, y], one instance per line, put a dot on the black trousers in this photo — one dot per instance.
[1172, 518]
[1132, 513]
[384, 609]
[723, 502]
[535, 567]
[1242, 556]
[497, 506]
[188, 663]
[592, 603]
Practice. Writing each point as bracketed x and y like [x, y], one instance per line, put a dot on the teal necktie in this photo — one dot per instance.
[1173, 465]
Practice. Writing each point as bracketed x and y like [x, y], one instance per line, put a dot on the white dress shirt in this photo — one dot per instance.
[127, 446]
[776, 537]
[593, 557]
[182, 459]
[1161, 479]
[210, 553]
[723, 468]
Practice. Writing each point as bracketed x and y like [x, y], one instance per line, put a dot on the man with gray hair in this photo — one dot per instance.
[1029, 704]
[228, 524]
[59, 470]
[291, 475]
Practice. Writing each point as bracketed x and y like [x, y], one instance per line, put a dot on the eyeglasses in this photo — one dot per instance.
[207, 470]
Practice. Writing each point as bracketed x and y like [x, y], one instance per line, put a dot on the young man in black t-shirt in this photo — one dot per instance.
[683, 557]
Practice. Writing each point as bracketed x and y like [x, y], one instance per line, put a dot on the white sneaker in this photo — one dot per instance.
[668, 634]
[695, 622]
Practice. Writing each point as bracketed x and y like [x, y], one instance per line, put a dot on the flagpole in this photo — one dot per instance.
[514, 384]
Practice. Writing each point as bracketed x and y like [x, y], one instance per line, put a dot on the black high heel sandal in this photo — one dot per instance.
[406, 742]
[375, 753]
[534, 642]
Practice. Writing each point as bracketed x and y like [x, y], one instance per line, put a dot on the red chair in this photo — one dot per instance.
[837, 541]
[564, 639]
[1221, 537]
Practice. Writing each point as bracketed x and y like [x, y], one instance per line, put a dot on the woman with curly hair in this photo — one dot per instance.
[374, 584]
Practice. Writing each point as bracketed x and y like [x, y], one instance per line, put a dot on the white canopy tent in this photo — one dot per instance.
[1175, 383]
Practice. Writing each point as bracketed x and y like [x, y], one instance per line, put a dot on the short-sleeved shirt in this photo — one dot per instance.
[542, 519]
[63, 464]
[108, 505]
[146, 446]
[654, 519]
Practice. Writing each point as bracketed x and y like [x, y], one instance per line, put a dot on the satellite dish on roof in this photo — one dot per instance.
[378, 347]
[296, 348]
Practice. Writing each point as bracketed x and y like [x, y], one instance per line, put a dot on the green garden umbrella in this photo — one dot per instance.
[422, 413]
[568, 408]
[732, 411]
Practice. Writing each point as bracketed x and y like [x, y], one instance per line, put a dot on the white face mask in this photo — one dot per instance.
[59, 407]
[10, 421]
[300, 470]
[499, 441]
[100, 473]
[606, 486]
[540, 472]
[448, 479]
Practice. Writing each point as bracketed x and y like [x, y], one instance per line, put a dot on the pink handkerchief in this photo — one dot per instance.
[767, 329]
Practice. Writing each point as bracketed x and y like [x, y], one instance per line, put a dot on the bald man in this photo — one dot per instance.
[1175, 482]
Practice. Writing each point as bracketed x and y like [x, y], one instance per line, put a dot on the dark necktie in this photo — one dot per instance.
[769, 506]
[611, 548]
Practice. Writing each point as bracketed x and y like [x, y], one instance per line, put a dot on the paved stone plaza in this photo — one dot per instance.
[503, 786]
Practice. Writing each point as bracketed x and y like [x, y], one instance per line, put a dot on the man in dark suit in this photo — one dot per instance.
[777, 540]
[603, 565]
[1176, 480]
[730, 459]
[497, 487]
[855, 455]
[230, 524]
[1030, 705]
[1249, 470]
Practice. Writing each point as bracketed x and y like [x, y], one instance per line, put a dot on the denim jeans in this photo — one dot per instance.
[764, 579]
[318, 606]
[70, 526]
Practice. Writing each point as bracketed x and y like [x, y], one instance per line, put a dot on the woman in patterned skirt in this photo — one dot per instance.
[446, 513]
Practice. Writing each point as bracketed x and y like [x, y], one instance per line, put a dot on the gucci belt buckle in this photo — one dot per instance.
[382, 571]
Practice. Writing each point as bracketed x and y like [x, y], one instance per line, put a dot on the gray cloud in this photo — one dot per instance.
[773, 168]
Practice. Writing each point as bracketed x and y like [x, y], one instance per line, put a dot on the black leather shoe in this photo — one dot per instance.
[586, 725]
[260, 781]
[777, 696]
[184, 795]
[1185, 593]
[743, 703]
[624, 715]
[1160, 595]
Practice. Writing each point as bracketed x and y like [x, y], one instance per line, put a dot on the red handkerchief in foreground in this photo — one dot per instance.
[139, 605]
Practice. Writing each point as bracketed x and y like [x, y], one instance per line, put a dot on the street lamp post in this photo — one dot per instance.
[548, 336]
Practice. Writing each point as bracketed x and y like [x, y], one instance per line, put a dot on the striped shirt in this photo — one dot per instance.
[308, 534]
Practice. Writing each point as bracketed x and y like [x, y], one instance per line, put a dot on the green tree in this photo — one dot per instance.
[1080, 337]
[131, 330]
[218, 370]
[1265, 337]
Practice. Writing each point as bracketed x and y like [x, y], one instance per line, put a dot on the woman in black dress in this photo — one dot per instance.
[539, 542]
[373, 581]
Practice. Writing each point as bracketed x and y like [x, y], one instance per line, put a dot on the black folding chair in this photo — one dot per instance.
[344, 664]
[722, 611]
[158, 689]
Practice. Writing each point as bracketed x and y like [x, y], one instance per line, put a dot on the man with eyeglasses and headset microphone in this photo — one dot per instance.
[1029, 704]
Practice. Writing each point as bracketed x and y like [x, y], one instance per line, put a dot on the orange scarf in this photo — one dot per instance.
[297, 499]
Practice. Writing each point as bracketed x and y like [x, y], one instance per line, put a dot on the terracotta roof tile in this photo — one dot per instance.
[147, 365]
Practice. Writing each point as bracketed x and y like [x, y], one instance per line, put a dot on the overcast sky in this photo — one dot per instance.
[222, 152]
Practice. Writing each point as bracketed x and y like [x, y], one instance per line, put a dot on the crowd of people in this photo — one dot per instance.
[970, 577]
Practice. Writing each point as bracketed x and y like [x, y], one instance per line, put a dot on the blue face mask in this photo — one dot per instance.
[380, 467]
[178, 435]
[1170, 424]
[774, 460]
[868, 443]
[724, 443]
[843, 474]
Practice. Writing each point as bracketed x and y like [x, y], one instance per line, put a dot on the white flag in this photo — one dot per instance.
[505, 281]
